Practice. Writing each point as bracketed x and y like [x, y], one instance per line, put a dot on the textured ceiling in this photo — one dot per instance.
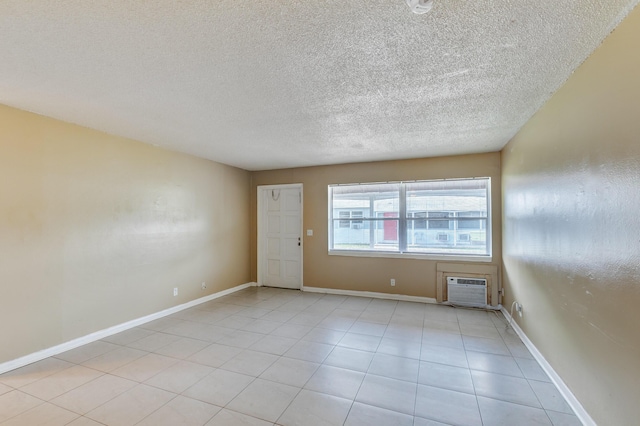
[269, 84]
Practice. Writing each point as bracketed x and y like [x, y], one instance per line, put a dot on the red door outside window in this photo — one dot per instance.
[390, 228]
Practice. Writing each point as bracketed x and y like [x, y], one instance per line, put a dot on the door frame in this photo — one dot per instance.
[261, 226]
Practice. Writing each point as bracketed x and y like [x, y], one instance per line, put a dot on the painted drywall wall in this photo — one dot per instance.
[571, 188]
[97, 230]
[414, 277]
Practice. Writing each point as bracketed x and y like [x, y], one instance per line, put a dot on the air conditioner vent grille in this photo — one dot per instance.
[467, 291]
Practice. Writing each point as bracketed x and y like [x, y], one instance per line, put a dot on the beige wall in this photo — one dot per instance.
[571, 188]
[96, 230]
[413, 277]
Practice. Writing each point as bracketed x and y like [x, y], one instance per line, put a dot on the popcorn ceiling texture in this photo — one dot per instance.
[269, 84]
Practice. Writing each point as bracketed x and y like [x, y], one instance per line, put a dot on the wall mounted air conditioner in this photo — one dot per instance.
[467, 291]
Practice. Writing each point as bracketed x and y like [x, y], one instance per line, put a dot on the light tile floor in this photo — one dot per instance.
[266, 356]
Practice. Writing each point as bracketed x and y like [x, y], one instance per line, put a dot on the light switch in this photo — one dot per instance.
[309, 232]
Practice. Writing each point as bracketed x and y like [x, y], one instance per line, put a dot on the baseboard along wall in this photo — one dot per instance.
[72, 344]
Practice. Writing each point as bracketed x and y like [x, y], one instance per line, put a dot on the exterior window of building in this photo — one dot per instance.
[356, 224]
[349, 219]
[448, 217]
[439, 220]
[344, 219]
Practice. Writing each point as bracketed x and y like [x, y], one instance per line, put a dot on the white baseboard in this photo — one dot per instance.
[573, 402]
[371, 294]
[72, 344]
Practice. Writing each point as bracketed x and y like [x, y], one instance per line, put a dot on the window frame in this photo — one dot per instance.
[406, 220]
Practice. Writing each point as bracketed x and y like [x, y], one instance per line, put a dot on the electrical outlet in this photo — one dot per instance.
[204, 285]
[175, 291]
[519, 309]
[393, 282]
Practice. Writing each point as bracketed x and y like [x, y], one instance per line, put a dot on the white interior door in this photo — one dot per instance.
[281, 236]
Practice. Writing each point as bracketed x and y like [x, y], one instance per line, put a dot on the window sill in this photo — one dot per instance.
[418, 256]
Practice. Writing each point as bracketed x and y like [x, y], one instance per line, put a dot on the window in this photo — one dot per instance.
[356, 224]
[449, 217]
[344, 223]
[437, 220]
[416, 220]
[345, 217]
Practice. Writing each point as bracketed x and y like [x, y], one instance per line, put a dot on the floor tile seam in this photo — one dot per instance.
[517, 403]
[258, 376]
[495, 372]
[540, 401]
[355, 399]
[426, 328]
[160, 407]
[120, 366]
[372, 322]
[438, 317]
[453, 424]
[90, 419]
[572, 413]
[546, 413]
[473, 393]
[440, 362]
[83, 384]
[238, 394]
[481, 337]
[286, 408]
[28, 409]
[365, 334]
[357, 349]
[307, 381]
[471, 376]
[83, 363]
[415, 397]
[485, 338]
[514, 377]
[331, 394]
[393, 378]
[397, 356]
[415, 402]
[478, 322]
[200, 380]
[102, 373]
[334, 329]
[277, 422]
[244, 414]
[158, 348]
[117, 396]
[498, 374]
[439, 421]
[144, 382]
[56, 356]
[514, 402]
[355, 396]
[390, 377]
[164, 389]
[345, 368]
[473, 384]
[482, 421]
[11, 388]
[385, 313]
[485, 352]
[8, 373]
[174, 334]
